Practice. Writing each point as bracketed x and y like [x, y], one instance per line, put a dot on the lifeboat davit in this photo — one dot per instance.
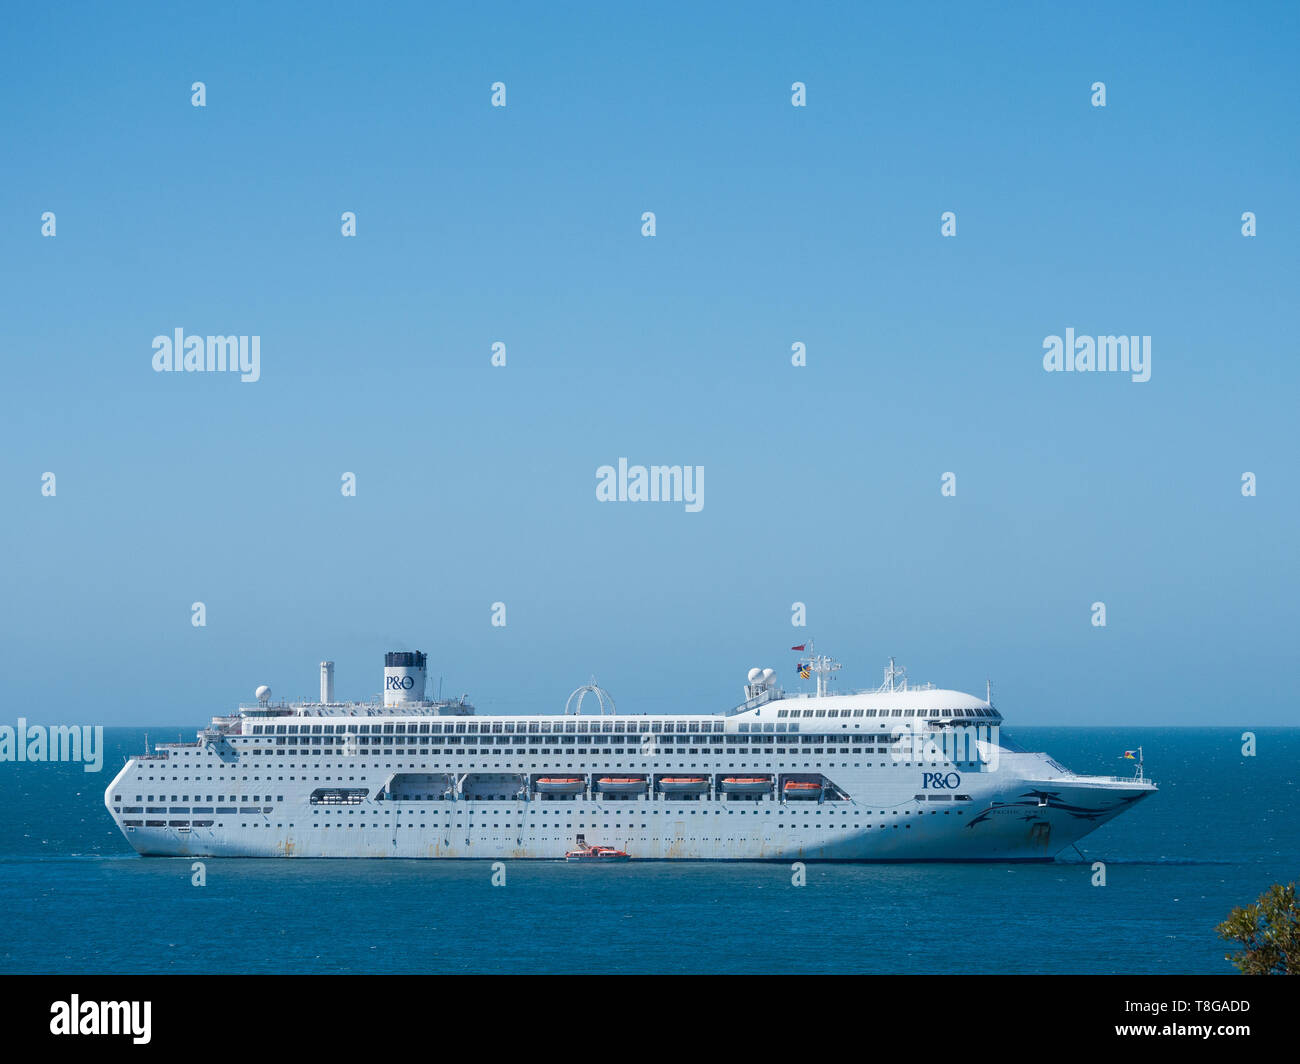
[621, 784]
[747, 784]
[561, 785]
[796, 790]
[683, 785]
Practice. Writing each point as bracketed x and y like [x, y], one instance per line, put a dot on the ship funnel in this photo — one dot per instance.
[404, 677]
[327, 682]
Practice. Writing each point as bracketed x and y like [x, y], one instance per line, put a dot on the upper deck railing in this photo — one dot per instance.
[440, 707]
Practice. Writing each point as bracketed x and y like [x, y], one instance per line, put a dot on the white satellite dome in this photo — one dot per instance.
[769, 675]
[754, 674]
[262, 693]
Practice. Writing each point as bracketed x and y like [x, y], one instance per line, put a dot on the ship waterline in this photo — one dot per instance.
[898, 773]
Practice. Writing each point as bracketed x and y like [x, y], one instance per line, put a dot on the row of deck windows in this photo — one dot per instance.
[536, 727]
[944, 713]
[645, 728]
[807, 739]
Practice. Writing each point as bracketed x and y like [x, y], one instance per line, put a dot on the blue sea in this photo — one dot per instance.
[76, 899]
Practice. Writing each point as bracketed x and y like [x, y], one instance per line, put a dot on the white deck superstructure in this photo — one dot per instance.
[899, 773]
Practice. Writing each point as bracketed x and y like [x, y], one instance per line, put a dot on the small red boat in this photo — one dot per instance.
[596, 853]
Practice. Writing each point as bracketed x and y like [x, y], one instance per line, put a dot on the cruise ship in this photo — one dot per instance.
[902, 772]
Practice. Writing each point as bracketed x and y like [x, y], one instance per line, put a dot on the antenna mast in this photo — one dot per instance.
[895, 678]
[821, 666]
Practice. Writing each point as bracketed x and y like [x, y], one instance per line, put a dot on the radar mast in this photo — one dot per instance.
[821, 666]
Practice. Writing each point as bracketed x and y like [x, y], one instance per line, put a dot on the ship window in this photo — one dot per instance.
[510, 728]
[744, 727]
[532, 729]
[807, 712]
[388, 729]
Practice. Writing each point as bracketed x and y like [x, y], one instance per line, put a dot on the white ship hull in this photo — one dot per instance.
[1010, 817]
[670, 837]
[430, 780]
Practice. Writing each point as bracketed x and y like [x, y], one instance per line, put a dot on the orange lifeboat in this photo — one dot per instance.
[795, 789]
[747, 784]
[561, 785]
[621, 784]
[683, 785]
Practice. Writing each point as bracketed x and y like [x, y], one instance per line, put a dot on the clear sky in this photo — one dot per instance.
[775, 225]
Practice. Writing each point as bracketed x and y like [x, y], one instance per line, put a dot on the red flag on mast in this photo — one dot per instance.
[799, 647]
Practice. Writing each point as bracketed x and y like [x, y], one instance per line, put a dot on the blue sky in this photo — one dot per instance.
[775, 224]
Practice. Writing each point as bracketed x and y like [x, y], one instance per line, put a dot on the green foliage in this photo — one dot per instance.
[1269, 932]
